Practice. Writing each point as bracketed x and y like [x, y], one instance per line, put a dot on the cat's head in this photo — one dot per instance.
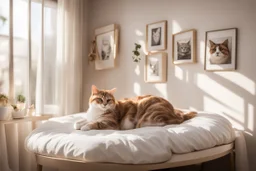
[102, 99]
[156, 35]
[184, 47]
[219, 50]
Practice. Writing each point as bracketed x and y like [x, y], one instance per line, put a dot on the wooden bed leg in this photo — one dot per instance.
[232, 161]
[39, 167]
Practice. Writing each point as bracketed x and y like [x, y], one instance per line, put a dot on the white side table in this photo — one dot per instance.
[4, 165]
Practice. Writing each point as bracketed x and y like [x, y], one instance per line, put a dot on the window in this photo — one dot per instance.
[33, 54]
[4, 46]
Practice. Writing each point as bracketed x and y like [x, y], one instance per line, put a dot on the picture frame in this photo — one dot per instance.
[221, 50]
[156, 36]
[184, 47]
[106, 39]
[156, 67]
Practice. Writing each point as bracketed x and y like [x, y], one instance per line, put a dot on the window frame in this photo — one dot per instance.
[45, 3]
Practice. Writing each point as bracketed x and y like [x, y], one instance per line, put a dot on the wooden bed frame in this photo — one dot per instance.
[176, 160]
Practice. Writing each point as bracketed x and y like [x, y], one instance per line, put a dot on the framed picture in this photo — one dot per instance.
[220, 50]
[156, 36]
[156, 67]
[184, 47]
[106, 46]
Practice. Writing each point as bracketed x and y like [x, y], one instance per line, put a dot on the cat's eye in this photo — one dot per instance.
[109, 100]
[99, 100]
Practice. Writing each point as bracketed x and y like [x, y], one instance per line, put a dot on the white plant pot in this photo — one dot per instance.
[21, 106]
[18, 114]
[4, 113]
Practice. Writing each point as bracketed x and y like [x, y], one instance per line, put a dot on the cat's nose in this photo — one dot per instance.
[105, 104]
[217, 53]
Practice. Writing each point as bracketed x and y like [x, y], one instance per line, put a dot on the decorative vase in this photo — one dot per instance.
[4, 113]
[18, 114]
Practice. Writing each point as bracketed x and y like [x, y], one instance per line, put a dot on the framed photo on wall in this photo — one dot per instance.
[184, 47]
[106, 46]
[156, 67]
[220, 50]
[156, 36]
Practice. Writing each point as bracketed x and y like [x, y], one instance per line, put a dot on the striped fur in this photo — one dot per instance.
[129, 113]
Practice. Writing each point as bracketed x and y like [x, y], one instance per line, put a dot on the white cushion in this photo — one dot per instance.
[58, 138]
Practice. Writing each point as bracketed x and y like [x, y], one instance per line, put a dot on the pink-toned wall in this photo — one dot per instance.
[232, 94]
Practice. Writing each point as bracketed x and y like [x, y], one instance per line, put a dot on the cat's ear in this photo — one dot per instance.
[94, 89]
[188, 43]
[211, 43]
[112, 91]
[178, 44]
[225, 43]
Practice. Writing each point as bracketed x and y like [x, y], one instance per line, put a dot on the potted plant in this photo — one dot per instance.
[136, 54]
[21, 102]
[4, 107]
[18, 113]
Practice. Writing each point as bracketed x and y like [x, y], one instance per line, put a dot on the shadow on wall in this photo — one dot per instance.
[230, 94]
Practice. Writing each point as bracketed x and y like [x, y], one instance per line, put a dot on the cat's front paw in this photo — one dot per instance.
[85, 128]
[80, 123]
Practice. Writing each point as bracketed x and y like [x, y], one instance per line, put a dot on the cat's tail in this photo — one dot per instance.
[189, 115]
[186, 115]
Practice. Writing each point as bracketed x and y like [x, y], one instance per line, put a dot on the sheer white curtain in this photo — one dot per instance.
[69, 55]
[68, 72]
[68, 93]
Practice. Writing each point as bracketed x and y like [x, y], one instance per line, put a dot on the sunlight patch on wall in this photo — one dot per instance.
[192, 108]
[214, 106]
[175, 27]
[240, 80]
[202, 52]
[178, 72]
[143, 46]
[250, 117]
[138, 32]
[187, 76]
[162, 88]
[137, 89]
[137, 70]
[220, 93]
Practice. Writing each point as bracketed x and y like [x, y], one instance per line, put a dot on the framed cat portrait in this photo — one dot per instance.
[106, 46]
[220, 50]
[184, 47]
[156, 36]
[156, 68]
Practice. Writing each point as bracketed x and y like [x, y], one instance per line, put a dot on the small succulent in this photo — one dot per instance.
[3, 100]
[21, 98]
[3, 19]
[15, 107]
[136, 53]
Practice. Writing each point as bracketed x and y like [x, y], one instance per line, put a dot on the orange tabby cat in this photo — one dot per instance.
[106, 113]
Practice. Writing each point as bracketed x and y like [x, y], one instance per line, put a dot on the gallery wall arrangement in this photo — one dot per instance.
[106, 39]
[220, 49]
[184, 47]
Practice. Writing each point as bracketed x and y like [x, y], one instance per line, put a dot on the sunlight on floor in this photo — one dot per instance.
[240, 80]
[175, 27]
[137, 89]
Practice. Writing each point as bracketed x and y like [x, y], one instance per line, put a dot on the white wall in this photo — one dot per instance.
[189, 86]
